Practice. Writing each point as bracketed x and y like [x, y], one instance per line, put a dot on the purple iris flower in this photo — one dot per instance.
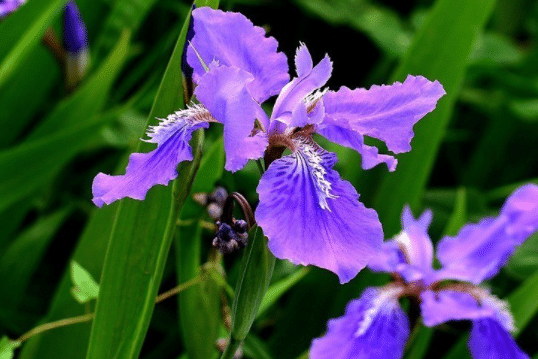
[8, 6]
[308, 213]
[375, 326]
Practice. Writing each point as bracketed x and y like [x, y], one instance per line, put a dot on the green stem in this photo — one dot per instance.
[231, 348]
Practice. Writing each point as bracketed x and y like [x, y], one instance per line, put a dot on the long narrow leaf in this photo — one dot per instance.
[140, 242]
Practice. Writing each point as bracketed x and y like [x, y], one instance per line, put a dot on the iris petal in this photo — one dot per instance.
[373, 326]
[489, 340]
[146, 170]
[479, 250]
[232, 40]
[311, 216]
[225, 92]
[309, 79]
[386, 112]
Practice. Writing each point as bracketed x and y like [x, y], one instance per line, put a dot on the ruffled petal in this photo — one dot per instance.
[374, 326]
[385, 112]
[343, 134]
[146, 170]
[442, 306]
[311, 216]
[232, 40]
[480, 250]
[225, 92]
[445, 305]
[490, 340]
[309, 79]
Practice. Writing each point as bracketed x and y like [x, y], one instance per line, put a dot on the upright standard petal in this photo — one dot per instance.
[480, 250]
[490, 340]
[311, 216]
[385, 112]
[374, 326]
[308, 80]
[225, 92]
[415, 241]
[232, 40]
[146, 170]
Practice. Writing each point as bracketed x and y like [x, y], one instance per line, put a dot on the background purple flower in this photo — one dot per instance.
[8, 6]
[476, 253]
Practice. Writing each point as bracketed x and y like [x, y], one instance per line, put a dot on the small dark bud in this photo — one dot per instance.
[230, 238]
[218, 196]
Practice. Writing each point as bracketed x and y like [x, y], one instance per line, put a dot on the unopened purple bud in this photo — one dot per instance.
[75, 37]
[75, 41]
[231, 237]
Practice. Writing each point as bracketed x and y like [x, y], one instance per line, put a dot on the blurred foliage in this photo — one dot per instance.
[467, 157]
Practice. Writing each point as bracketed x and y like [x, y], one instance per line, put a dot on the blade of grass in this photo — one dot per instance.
[439, 52]
[22, 30]
[140, 241]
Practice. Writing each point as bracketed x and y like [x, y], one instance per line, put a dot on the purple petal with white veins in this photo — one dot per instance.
[232, 40]
[342, 133]
[309, 79]
[373, 326]
[146, 170]
[386, 112]
[311, 216]
[224, 91]
[489, 340]
[480, 250]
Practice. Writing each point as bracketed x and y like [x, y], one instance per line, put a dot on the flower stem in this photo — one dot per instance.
[231, 348]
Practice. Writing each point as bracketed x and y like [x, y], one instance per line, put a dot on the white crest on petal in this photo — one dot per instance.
[311, 155]
[312, 99]
[386, 299]
[500, 308]
[178, 121]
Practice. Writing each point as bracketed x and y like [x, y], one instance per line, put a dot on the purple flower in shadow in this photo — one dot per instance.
[374, 326]
[308, 213]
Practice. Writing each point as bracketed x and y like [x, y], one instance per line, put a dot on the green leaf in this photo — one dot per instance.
[90, 253]
[22, 31]
[125, 14]
[255, 348]
[280, 288]
[439, 52]
[140, 241]
[7, 348]
[46, 157]
[420, 343]
[255, 274]
[85, 287]
[200, 305]
[381, 24]
[90, 98]
[524, 262]
[20, 261]
[459, 214]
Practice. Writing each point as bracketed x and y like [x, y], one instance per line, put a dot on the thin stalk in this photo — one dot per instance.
[231, 348]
